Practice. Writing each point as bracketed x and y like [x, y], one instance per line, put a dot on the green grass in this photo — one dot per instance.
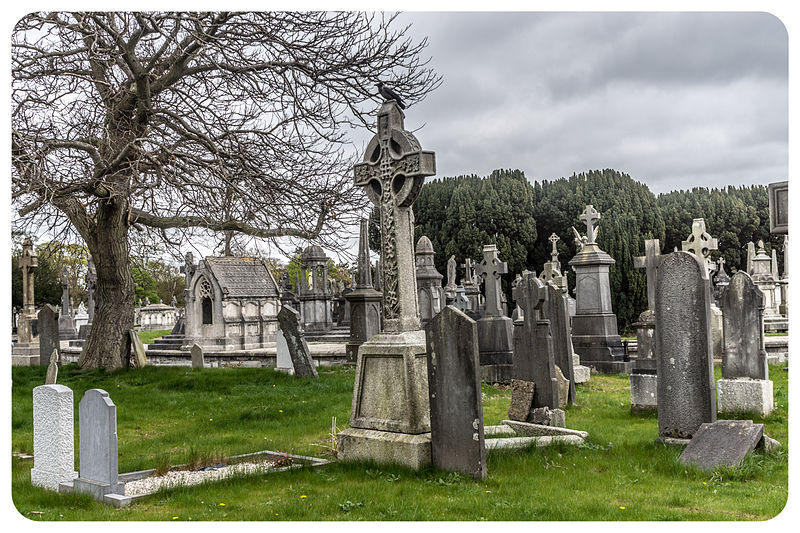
[149, 336]
[777, 334]
[171, 415]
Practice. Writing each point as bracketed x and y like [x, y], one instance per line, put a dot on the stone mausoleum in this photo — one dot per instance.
[231, 303]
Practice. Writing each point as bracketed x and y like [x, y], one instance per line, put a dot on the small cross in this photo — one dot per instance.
[590, 216]
[652, 249]
[530, 293]
[490, 269]
[554, 253]
[700, 243]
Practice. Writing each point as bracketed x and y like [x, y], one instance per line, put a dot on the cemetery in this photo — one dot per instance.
[472, 356]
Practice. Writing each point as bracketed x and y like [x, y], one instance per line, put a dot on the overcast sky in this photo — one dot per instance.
[676, 100]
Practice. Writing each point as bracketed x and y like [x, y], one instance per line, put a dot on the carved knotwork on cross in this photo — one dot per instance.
[700, 243]
[649, 261]
[392, 173]
[490, 270]
[589, 216]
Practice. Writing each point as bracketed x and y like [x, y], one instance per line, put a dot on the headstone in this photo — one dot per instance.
[555, 308]
[521, 399]
[454, 390]
[139, 355]
[48, 333]
[66, 325]
[594, 326]
[390, 414]
[53, 440]
[745, 385]
[430, 294]
[283, 361]
[686, 394]
[365, 301]
[779, 207]
[198, 359]
[289, 320]
[52, 369]
[97, 423]
[722, 443]
[495, 330]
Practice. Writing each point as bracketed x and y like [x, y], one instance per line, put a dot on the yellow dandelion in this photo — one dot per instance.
[488, 492]
[222, 504]
[280, 410]
[303, 496]
[622, 507]
[174, 517]
[704, 483]
[210, 419]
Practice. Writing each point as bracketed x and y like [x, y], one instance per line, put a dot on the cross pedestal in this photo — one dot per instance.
[390, 415]
[495, 330]
[594, 326]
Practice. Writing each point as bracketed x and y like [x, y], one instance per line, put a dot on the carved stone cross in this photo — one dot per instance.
[27, 262]
[469, 273]
[554, 252]
[649, 261]
[530, 293]
[490, 269]
[392, 173]
[700, 243]
[589, 217]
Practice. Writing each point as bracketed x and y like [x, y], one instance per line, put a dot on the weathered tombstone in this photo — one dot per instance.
[66, 325]
[454, 390]
[53, 440]
[52, 369]
[594, 326]
[365, 301]
[390, 414]
[198, 359]
[430, 293]
[644, 377]
[722, 443]
[533, 342]
[97, 426]
[521, 399]
[139, 355]
[779, 207]
[48, 333]
[283, 361]
[555, 308]
[289, 320]
[745, 384]
[686, 395]
[495, 330]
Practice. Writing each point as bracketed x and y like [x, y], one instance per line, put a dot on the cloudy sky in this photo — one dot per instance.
[676, 100]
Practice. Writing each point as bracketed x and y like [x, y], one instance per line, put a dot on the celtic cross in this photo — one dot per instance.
[490, 269]
[392, 173]
[700, 243]
[554, 253]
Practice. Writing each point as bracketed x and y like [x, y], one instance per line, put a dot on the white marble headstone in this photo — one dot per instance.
[53, 437]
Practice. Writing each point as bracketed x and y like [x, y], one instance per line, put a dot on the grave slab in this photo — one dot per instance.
[744, 395]
[722, 443]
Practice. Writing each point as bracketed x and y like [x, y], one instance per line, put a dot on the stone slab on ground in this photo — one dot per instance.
[722, 443]
[498, 431]
[525, 429]
[540, 442]
[744, 395]
[581, 373]
[384, 447]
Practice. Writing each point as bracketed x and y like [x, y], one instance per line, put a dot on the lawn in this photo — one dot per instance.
[149, 336]
[174, 415]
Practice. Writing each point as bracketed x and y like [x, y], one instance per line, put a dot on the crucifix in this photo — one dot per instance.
[392, 173]
[649, 261]
[589, 217]
[490, 269]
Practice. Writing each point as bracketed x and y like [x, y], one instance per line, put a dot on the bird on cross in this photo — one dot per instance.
[389, 94]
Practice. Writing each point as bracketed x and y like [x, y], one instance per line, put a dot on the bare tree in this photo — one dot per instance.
[173, 121]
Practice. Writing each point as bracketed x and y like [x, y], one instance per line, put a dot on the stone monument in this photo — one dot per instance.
[686, 395]
[701, 244]
[365, 301]
[594, 326]
[66, 324]
[450, 288]
[764, 279]
[745, 385]
[430, 293]
[390, 413]
[53, 440]
[556, 309]
[495, 330]
[472, 290]
[26, 351]
[292, 331]
[644, 377]
[315, 300]
[48, 333]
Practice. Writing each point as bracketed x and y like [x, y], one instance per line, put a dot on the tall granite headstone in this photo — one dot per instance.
[97, 426]
[454, 391]
[289, 320]
[365, 301]
[686, 394]
[48, 333]
[390, 414]
[53, 440]
[556, 309]
[495, 330]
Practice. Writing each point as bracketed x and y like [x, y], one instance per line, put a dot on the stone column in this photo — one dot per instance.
[390, 415]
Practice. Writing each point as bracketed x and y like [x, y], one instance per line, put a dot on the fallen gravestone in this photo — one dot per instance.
[198, 360]
[52, 369]
[289, 321]
[139, 355]
[454, 389]
[722, 443]
[53, 441]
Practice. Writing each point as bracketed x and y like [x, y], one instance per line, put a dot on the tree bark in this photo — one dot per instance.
[108, 345]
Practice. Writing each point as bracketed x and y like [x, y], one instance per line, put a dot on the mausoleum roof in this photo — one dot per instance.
[242, 277]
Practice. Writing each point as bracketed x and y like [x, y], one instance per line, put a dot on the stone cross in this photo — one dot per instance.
[589, 217]
[700, 243]
[649, 261]
[27, 262]
[554, 252]
[469, 272]
[490, 269]
[53, 437]
[392, 173]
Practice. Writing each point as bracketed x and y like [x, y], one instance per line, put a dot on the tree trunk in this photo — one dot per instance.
[108, 345]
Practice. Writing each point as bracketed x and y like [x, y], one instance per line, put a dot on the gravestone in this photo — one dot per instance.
[686, 394]
[472, 290]
[51, 376]
[594, 326]
[700, 243]
[454, 391]
[533, 342]
[97, 426]
[283, 361]
[48, 333]
[198, 360]
[521, 399]
[26, 351]
[390, 413]
[365, 301]
[767, 283]
[430, 293]
[722, 443]
[66, 324]
[495, 330]
[139, 355]
[53, 440]
[289, 320]
[644, 377]
[555, 308]
[745, 384]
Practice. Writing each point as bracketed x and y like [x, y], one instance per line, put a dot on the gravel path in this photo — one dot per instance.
[190, 477]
